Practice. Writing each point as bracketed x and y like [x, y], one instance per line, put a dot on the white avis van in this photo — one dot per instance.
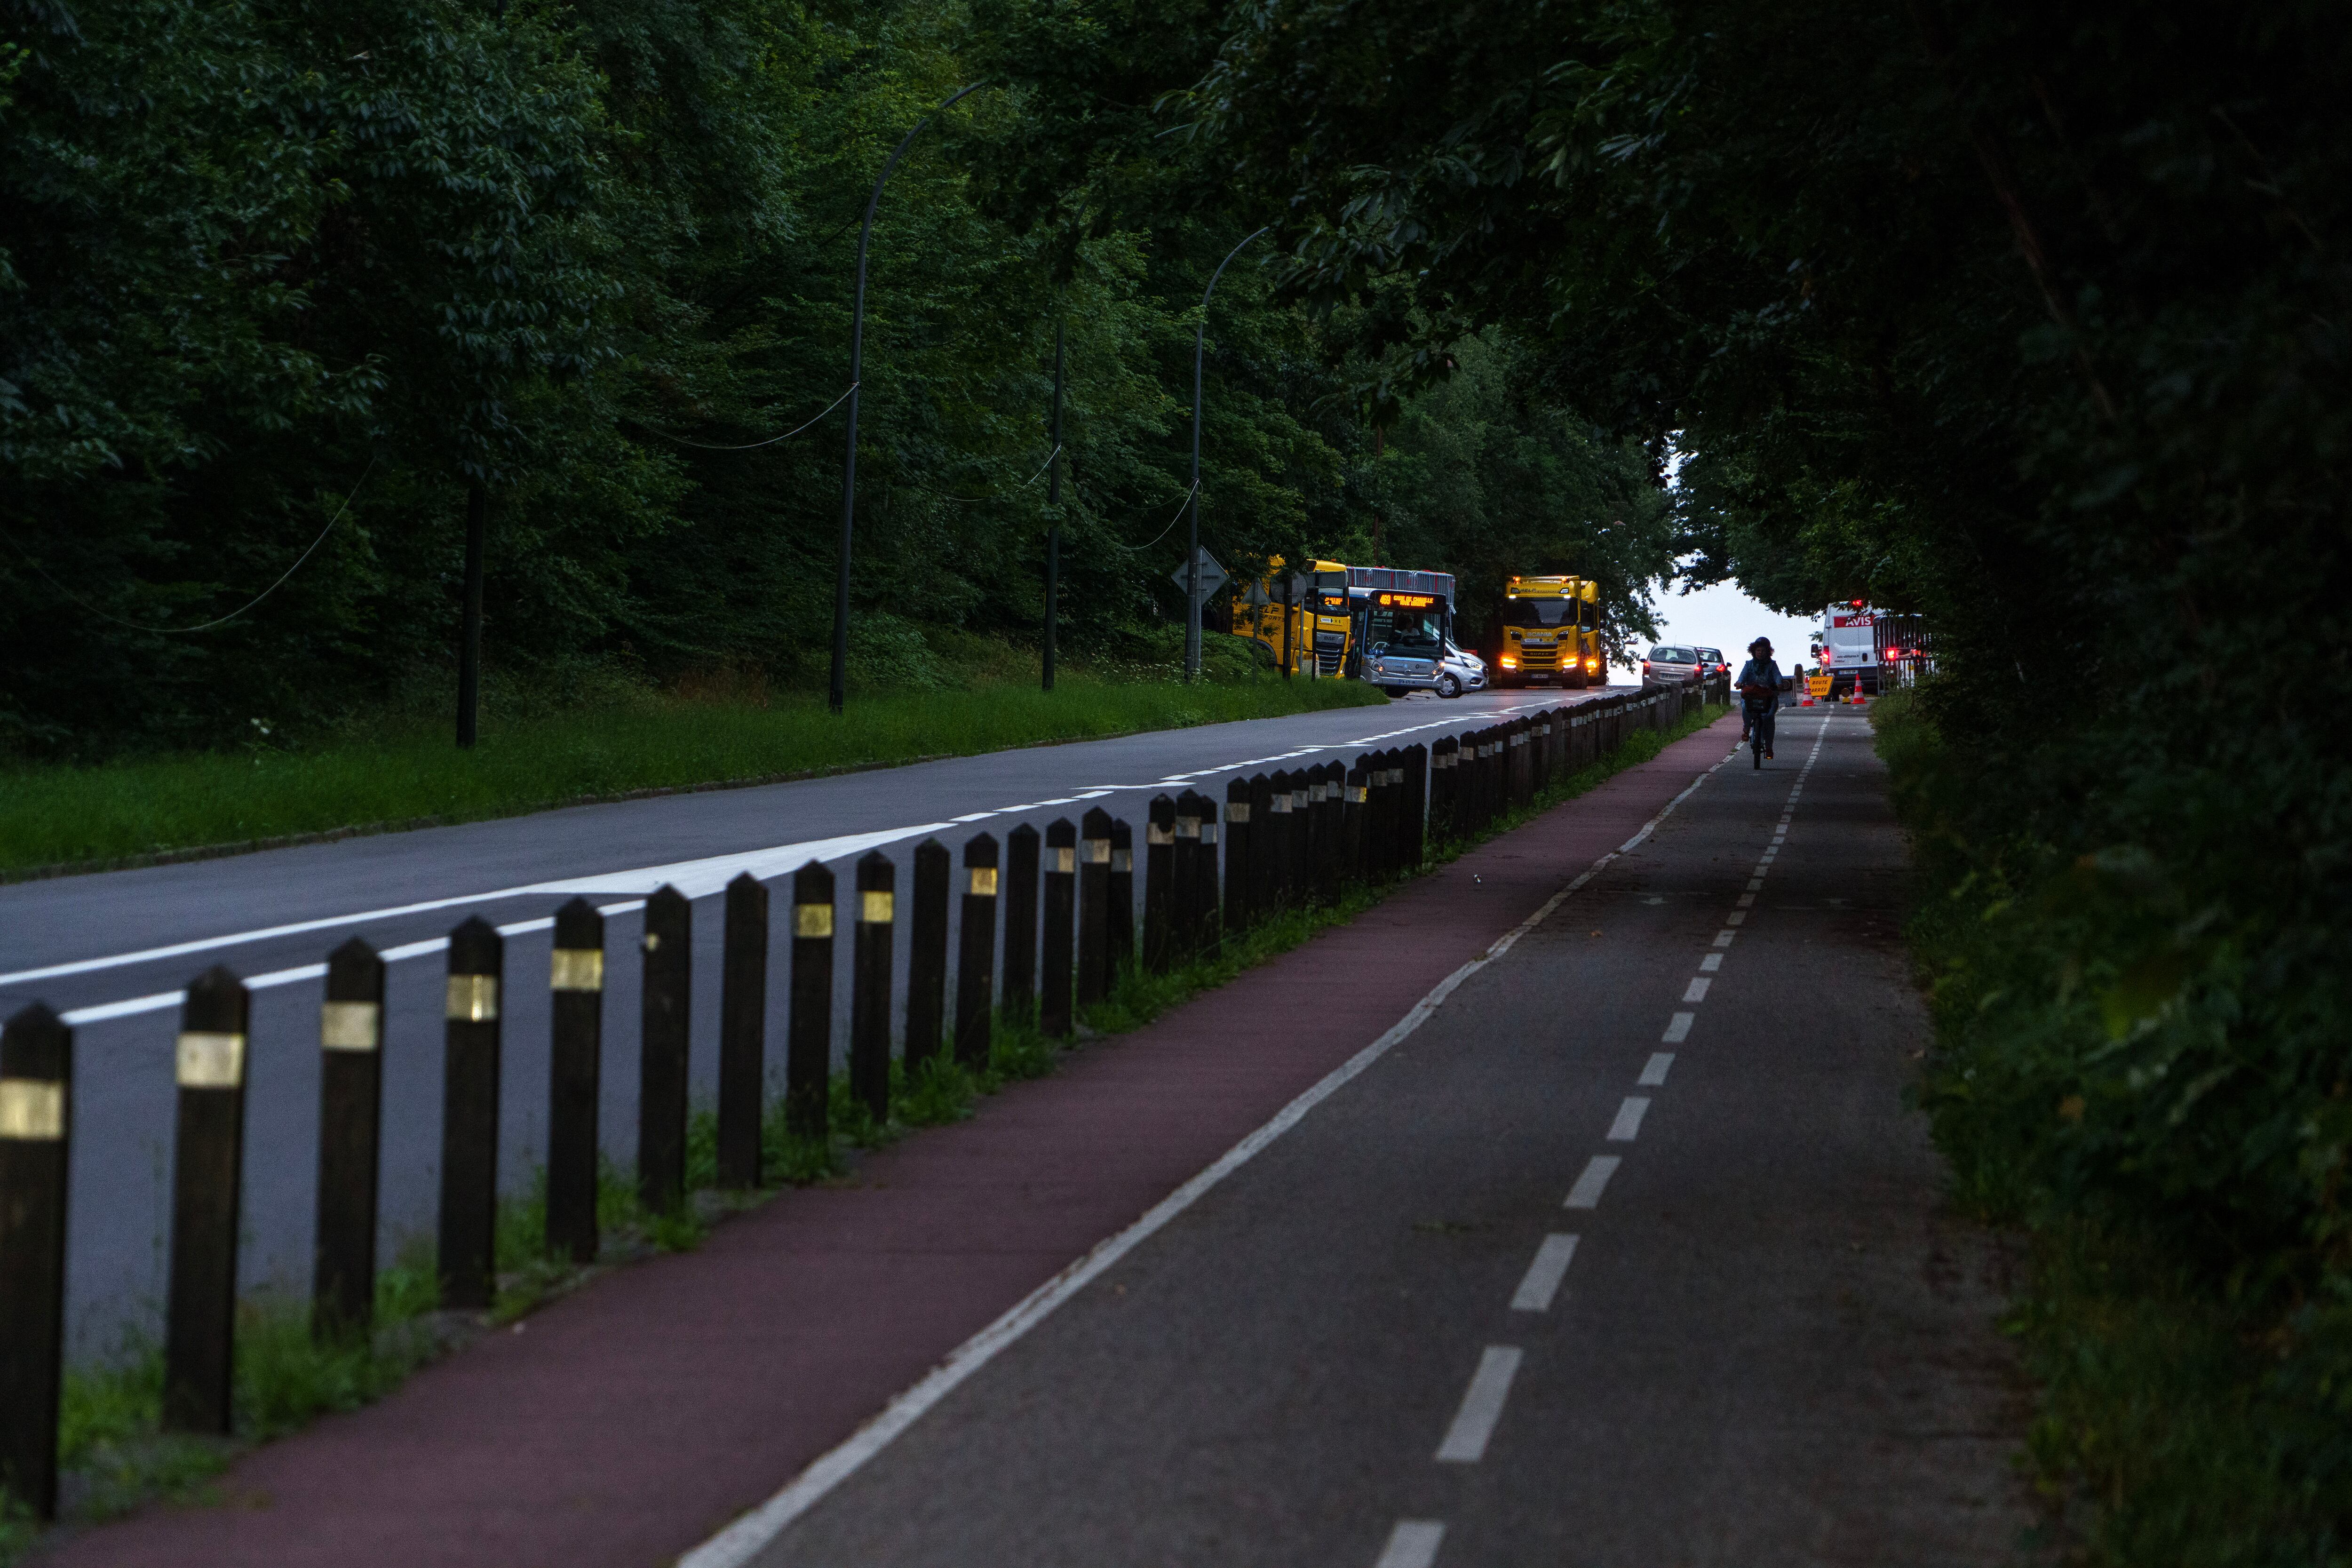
[1846, 648]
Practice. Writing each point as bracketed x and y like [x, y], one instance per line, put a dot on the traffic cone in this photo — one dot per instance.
[1859, 699]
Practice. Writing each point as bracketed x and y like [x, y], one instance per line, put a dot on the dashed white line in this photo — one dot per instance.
[1736, 917]
[1482, 1406]
[1653, 1073]
[1746, 900]
[1711, 962]
[1677, 1028]
[1586, 1193]
[1628, 1124]
[1723, 938]
[1544, 1275]
[1414, 1544]
[1696, 990]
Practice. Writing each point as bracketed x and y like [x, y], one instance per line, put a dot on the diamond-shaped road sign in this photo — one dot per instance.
[1212, 576]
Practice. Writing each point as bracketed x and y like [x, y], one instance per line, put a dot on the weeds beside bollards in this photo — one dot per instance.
[742, 1032]
[665, 1002]
[36, 1155]
[1020, 922]
[575, 1080]
[927, 953]
[869, 984]
[1056, 957]
[976, 952]
[351, 1099]
[808, 1061]
[207, 1174]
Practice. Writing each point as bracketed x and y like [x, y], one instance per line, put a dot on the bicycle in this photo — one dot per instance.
[1760, 715]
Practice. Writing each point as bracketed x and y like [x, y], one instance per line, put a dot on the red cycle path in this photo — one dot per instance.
[628, 1421]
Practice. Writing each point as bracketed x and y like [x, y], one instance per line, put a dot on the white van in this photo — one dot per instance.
[1846, 647]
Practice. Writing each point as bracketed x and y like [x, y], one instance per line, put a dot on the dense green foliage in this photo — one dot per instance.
[271, 275]
[2033, 321]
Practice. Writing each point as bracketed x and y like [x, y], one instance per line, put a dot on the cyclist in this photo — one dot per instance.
[1759, 691]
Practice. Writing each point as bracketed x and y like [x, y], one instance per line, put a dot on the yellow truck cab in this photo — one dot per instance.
[1550, 631]
[1319, 628]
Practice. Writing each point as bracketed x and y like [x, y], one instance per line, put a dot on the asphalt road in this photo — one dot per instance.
[1630, 1253]
[112, 950]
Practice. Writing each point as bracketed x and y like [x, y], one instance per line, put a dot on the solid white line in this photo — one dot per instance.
[1482, 1406]
[736, 1544]
[1677, 1028]
[1628, 1125]
[1586, 1193]
[1543, 1275]
[1696, 990]
[1412, 1544]
[1654, 1073]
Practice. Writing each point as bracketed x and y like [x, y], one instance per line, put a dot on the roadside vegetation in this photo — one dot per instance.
[2119, 1074]
[63, 816]
[115, 1457]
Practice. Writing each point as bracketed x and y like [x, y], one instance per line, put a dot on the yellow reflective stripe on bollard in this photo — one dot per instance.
[32, 1109]
[576, 969]
[208, 1060]
[472, 998]
[350, 1026]
[877, 909]
[1066, 860]
[1098, 850]
[812, 920]
[984, 881]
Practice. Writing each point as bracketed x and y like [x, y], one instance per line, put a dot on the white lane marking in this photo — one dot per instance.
[1766, 858]
[1677, 1028]
[1723, 938]
[1655, 1072]
[1756, 884]
[1736, 917]
[1586, 1193]
[1696, 990]
[695, 878]
[1482, 1406]
[740, 1542]
[1746, 900]
[972, 816]
[1711, 962]
[1628, 1125]
[1475, 716]
[1414, 1544]
[1543, 1276]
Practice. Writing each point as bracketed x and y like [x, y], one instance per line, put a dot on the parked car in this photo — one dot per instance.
[1673, 663]
[1714, 659]
[1461, 671]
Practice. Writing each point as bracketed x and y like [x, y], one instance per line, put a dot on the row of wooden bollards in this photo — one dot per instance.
[1288, 839]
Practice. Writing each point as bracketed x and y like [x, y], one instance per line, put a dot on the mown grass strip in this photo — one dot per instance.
[116, 1458]
[75, 816]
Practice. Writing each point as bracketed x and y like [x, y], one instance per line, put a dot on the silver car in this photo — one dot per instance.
[1673, 664]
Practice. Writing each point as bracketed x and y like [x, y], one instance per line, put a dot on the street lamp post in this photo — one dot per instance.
[1192, 500]
[839, 691]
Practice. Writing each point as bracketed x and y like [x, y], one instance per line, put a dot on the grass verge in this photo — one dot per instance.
[93, 816]
[116, 1457]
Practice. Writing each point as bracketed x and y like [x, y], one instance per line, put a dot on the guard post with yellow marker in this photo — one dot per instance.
[469, 1118]
[1020, 893]
[1238, 849]
[207, 1169]
[36, 1151]
[1123, 897]
[1093, 906]
[742, 1031]
[976, 954]
[575, 1070]
[1158, 852]
[808, 1060]
[869, 984]
[1056, 953]
[351, 1100]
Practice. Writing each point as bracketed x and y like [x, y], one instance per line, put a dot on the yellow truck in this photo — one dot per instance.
[1550, 631]
[1314, 643]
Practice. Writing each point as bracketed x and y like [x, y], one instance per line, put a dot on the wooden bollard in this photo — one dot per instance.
[808, 1049]
[1309, 825]
[350, 1120]
[1416, 805]
[1330, 871]
[1094, 907]
[1205, 901]
[1289, 828]
[1238, 849]
[1398, 864]
[1355, 796]
[1122, 897]
[575, 1080]
[1441, 778]
[208, 1170]
[869, 984]
[1020, 884]
[1265, 849]
[36, 1155]
[742, 1032]
[1158, 883]
[665, 1002]
[1379, 840]
[927, 953]
[1184, 880]
[976, 954]
[1056, 952]
[469, 1117]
